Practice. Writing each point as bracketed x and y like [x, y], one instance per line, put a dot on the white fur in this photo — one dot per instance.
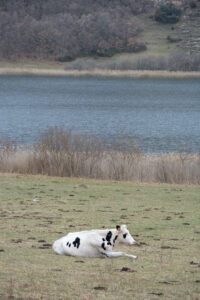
[94, 243]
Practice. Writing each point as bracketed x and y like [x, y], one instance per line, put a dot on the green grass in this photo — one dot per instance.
[31, 64]
[164, 219]
[154, 35]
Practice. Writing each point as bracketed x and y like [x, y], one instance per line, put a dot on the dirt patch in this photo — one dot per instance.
[83, 186]
[45, 246]
[194, 263]
[169, 247]
[125, 269]
[156, 294]
[169, 282]
[99, 288]
[16, 241]
[168, 218]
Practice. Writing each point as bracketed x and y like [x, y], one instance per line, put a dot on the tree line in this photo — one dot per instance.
[66, 29]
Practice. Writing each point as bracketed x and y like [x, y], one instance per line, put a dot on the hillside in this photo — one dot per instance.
[65, 30]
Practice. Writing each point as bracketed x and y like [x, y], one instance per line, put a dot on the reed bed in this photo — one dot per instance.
[100, 73]
[63, 153]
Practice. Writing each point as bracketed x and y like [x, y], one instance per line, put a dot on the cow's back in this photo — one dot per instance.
[77, 244]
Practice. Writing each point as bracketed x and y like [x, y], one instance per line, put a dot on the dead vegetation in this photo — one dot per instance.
[63, 153]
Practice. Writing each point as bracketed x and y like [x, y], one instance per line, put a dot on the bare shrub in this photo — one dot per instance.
[175, 62]
[7, 149]
[62, 152]
[173, 168]
[151, 63]
[184, 62]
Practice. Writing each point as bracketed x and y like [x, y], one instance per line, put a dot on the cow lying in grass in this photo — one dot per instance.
[94, 243]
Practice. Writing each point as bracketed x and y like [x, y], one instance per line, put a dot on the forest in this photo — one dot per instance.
[65, 29]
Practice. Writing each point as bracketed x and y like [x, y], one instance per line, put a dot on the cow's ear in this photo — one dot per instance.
[123, 227]
[118, 228]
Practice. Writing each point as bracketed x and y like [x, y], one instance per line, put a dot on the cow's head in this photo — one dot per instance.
[124, 235]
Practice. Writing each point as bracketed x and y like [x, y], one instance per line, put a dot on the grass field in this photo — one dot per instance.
[36, 210]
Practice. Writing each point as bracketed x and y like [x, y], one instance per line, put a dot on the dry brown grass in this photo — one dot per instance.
[98, 72]
[62, 153]
[162, 168]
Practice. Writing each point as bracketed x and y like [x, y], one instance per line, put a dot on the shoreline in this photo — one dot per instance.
[100, 73]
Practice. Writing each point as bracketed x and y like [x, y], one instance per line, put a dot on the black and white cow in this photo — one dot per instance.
[94, 243]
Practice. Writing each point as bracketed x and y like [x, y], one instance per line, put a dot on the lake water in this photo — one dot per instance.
[164, 114]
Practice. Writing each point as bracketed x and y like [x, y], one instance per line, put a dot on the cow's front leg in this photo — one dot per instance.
[112, 254]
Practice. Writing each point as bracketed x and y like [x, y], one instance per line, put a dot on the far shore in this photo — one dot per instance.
[99, 73]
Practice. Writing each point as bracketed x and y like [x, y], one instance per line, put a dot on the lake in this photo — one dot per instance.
[163, 113]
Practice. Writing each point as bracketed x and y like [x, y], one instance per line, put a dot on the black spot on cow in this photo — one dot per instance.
[103, 246]
[124, 235]
[104, 254]
[76, 242]
[118, 228]
[103, 239]
[67, 244]
[115, 238]
[108, 236]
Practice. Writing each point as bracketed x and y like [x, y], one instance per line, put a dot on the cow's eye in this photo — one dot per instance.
[124, 235]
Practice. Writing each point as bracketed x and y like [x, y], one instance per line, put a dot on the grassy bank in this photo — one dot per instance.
[37, 210]
[96, 73]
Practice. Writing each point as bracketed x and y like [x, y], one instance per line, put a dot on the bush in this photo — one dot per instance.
[66, 29]
[175, 62]
[61, 152]
[193, 4]
[66, 58]
[184, 62]
[167, 13]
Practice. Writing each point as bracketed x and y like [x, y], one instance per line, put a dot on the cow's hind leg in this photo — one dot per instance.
[112, 254]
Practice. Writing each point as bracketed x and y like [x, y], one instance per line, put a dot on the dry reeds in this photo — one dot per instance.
[63, 153]
[101, 73]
